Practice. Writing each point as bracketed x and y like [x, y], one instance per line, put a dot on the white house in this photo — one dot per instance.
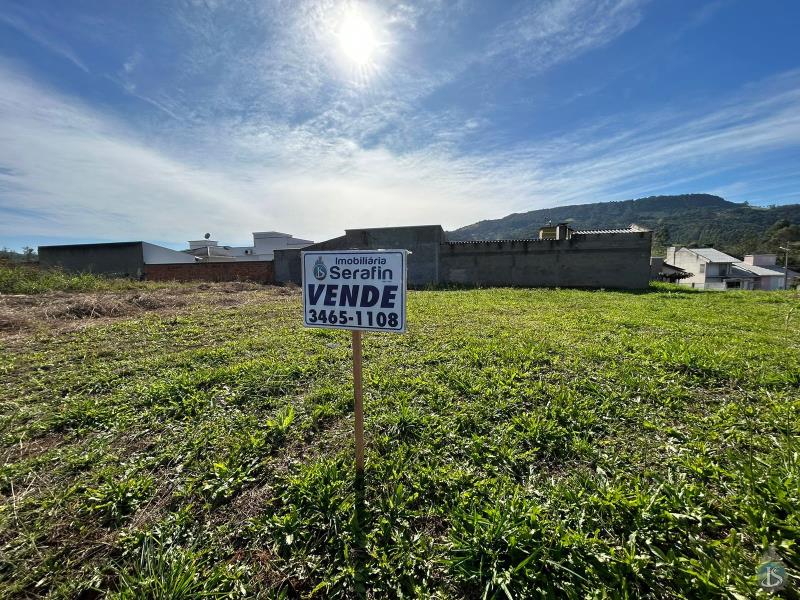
[264, 245]
[763, 266]
[711, 269]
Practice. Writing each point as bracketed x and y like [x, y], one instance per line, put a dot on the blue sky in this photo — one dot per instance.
[166, 119]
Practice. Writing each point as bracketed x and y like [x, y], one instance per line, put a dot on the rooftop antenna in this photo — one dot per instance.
[207, 236]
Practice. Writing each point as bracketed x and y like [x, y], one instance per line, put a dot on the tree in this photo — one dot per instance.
[28, 254]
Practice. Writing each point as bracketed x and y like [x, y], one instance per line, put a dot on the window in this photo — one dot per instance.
[703, 267]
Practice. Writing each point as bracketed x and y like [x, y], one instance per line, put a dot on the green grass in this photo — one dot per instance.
[520, 443]
[29, 280]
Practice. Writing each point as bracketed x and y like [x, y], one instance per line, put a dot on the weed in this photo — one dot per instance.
[163, 571]
[117, 499]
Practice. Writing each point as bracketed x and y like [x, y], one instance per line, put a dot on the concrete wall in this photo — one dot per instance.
[656, 266]
[424, 242]
[614, 260]
[121, 259]
[258, 271]
[154, 255]
[287, 266]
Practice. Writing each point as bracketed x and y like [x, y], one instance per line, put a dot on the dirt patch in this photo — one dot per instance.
[22, 314]
[89, 307]
[12, 321]
[19, 310]
[239, 286]
[30, 447]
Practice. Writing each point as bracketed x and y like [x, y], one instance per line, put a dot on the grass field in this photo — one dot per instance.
[521, 443]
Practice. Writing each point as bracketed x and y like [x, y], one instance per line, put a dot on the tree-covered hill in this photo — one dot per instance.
[687, 219]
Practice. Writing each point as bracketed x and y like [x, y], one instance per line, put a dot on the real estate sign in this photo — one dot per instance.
[362, 290]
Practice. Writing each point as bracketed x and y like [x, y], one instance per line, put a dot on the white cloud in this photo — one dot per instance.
[544, 34]
[40, 37]
[69, 170]
[77, 172]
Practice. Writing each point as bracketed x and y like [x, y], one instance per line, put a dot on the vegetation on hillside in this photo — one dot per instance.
[689, 219]
[519, 443]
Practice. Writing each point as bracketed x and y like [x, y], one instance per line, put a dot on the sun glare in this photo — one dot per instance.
[357, 39]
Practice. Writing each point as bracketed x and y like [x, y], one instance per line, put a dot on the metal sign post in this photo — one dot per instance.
[359, 290]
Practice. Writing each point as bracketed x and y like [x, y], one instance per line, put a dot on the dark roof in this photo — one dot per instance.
[397, 227]
[602, 231]
[99, 245]
[514, 241]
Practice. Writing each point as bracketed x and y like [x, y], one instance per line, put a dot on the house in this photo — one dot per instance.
[264, 245]
[559, 256]
[759, 265]
[711, 269]
[772, 275]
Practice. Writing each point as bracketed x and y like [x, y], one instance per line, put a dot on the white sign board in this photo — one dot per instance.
[355, 289]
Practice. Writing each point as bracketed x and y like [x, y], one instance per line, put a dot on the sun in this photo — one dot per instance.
[357, 39]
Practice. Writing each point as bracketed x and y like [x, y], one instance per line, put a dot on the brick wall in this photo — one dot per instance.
[261, 271]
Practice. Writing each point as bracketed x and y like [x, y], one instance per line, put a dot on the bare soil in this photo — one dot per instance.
[22, 315]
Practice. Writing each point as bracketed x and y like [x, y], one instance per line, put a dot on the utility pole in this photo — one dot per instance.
[785, 266]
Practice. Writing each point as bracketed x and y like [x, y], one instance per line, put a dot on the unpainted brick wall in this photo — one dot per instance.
[261, 271]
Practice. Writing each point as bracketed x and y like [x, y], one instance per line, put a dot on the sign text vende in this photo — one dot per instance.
[355, 289]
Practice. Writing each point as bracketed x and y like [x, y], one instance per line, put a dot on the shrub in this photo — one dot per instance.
[31, 280]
